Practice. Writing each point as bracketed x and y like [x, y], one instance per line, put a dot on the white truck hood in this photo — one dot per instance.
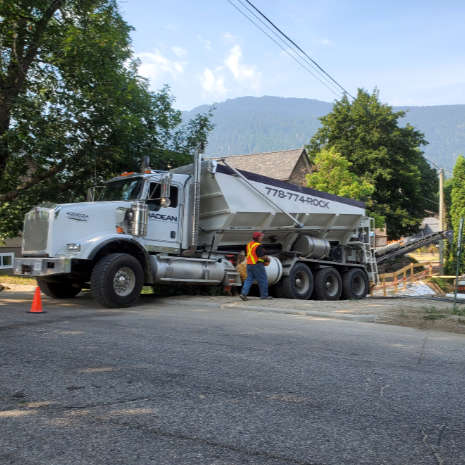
[49, 230]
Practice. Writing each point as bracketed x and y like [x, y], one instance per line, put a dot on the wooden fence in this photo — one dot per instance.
[399, 279]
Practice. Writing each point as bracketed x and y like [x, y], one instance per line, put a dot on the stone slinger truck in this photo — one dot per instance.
[188, 225]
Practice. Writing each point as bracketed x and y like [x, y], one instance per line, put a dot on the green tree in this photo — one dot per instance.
[73, 110]
[332, 174]
[368, 135]
[457, 211]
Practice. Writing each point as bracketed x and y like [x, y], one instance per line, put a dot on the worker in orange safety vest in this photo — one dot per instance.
[256, 259]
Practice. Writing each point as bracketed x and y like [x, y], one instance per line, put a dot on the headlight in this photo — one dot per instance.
[73, 247]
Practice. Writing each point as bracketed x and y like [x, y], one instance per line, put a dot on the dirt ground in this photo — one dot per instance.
[423, 314]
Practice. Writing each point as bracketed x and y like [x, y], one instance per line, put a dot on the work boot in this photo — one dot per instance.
[268, 297]
[243, 297]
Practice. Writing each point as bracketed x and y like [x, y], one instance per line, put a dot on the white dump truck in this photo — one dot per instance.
[188, 225]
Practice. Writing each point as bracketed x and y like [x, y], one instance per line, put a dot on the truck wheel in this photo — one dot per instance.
[62, 289]
[117, 280]
[354, 284]
[299, 283]
[328, 284]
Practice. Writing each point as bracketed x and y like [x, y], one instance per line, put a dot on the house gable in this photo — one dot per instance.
[284, 165]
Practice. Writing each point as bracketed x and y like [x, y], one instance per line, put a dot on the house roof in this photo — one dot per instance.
[278, 165]
[430, 224]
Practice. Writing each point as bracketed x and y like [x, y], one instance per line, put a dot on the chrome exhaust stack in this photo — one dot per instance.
[195, 196]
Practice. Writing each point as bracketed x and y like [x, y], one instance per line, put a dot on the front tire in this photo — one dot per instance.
[299, 283]
[328, 284]
[117, 280]
[59, 289]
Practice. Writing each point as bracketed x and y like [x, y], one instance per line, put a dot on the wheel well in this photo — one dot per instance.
[122, 246]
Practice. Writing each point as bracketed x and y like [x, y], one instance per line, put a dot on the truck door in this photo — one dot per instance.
[163, 223]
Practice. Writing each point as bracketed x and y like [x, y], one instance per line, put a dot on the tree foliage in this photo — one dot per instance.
[457, 211]
[367, 133]
[73, 110]
[332, 174]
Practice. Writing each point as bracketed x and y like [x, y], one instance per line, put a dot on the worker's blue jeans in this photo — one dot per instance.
[256, 273]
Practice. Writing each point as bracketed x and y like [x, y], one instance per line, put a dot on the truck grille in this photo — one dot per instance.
[36, 231]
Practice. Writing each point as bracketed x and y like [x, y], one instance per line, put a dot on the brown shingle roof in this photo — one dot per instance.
[277, 165]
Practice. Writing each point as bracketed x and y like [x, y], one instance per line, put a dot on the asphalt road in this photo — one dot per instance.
[170, 384]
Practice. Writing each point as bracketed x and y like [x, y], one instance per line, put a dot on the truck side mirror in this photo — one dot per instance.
[165, 191]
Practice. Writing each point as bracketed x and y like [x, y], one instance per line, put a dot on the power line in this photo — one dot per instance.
[297, 47]
[288, 48]
[297, 58]
[283, 45]
[435, 165]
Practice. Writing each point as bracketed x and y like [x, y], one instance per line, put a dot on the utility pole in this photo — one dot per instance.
[459, 255]
[442, 205]
[442, 219]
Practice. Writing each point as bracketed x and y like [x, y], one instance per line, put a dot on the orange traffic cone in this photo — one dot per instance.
[36, 306]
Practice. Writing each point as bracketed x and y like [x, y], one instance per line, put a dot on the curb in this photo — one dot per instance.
[278, 310]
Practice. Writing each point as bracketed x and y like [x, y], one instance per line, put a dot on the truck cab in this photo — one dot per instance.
[164, 196]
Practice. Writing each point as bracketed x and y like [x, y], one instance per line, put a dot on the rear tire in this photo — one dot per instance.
[117, 280]
[328, 284]
[298, 285]
[59, 289]
[354, 284]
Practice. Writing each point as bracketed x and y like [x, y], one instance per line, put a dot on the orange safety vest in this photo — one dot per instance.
[251, 250]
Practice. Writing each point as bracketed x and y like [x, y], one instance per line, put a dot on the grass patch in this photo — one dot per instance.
[459, 311]
[17, 280]
[432, 313]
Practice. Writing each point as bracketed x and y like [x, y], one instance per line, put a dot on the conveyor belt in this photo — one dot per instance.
[396, 250]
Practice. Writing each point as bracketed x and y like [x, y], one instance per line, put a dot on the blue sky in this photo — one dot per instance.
[413, 51]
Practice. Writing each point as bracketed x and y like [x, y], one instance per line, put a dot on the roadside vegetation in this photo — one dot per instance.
[455, 197]
[446, 285]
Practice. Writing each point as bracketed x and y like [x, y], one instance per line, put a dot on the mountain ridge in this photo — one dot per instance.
[263, 124]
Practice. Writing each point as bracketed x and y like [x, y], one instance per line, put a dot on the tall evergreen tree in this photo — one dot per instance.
[367, 133]
[457, 211]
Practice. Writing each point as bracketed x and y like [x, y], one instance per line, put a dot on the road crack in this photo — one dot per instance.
[432, 447]
[381, 391]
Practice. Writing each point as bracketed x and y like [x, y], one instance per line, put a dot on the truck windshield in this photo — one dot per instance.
[126, 189]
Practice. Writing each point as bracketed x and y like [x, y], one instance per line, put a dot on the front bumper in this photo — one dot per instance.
[42, 266]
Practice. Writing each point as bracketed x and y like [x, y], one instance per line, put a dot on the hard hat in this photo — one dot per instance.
[256, 235]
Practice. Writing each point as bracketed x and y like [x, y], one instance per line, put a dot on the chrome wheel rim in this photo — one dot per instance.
[124, 281]
[332, 286]
[302, 282]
